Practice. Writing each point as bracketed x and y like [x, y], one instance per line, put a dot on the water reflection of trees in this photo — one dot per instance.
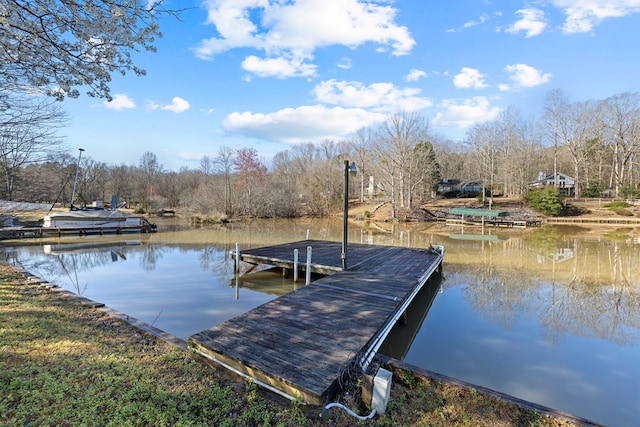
[63, 263]
[500, 297]
[583, 310]
[584, 286]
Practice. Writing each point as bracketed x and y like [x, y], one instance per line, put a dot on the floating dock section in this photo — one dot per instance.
[306, 343]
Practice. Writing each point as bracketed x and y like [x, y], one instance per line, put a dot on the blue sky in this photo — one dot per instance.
[267, 74]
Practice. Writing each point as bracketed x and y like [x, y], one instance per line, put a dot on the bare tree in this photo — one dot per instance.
[577, 126]
[621, 126]
[518, 152]
[92, 185]
[361, 145]
[555, 102]
[250, 175]
[482, 138]
[28, 133]
[395, 146]
[223, 164]
[450, 156]
[283, 190]
[151, 169]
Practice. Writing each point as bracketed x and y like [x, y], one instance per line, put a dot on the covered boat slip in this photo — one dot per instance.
[305, 342]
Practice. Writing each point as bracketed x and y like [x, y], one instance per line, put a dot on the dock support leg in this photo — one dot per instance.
[403, 318]
[295, 265]
[237, 264]
[308, 276]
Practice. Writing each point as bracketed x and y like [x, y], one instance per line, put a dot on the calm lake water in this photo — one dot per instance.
[550, 315]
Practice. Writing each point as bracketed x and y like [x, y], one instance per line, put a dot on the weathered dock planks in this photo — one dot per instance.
[302, 343]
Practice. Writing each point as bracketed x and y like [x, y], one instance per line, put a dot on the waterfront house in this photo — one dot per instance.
[565, 184]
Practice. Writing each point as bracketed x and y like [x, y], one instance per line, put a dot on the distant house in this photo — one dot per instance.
[565, 184]
[448, 185]
[458, 188]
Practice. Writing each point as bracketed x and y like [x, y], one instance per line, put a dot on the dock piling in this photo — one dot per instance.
[308, 272]
[295, 265]
[237, 264]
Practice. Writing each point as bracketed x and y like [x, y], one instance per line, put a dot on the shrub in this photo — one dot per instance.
[629, 192]
[617, 205]
[593, 190]
[545, 200]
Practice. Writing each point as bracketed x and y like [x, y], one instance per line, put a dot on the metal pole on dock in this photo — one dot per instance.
[237, 265]
[349, 169]
[75, 181]
[308, 272]
[295, 265]
[307, 234]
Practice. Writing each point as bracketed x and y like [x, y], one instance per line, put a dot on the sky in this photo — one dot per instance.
[269, 74]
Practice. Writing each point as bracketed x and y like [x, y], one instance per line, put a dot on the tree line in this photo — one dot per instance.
[401, 161]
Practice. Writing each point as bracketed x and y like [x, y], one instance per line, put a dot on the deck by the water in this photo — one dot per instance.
[10, 233]
[306, 342]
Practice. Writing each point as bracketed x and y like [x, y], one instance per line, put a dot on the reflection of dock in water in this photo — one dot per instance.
[269, 281]
[59, 248]
[404, 332]
[477, 237]
[307, 341]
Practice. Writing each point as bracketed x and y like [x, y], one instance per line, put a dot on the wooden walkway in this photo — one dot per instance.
[306, 342]
[11, 233]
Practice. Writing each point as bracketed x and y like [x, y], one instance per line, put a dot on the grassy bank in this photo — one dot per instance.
[65, 364]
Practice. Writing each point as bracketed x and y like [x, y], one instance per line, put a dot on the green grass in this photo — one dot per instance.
[64, 364]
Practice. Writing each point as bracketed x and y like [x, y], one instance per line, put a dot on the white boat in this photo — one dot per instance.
[97, 220]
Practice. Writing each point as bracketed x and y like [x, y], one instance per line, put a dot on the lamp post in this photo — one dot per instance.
[75, 181]
[349, 169]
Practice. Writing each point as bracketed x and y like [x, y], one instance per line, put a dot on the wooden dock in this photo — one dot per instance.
[11, 233]
[307, 342]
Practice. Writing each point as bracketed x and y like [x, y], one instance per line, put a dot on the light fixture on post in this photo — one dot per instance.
[349, 170]
[75, 181]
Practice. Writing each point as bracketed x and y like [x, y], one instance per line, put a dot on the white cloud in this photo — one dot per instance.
[301, 124]
[466, 113]
[178, 105]
[527, 76]
[531, 22]
[278, 67]
[119, 101]
[344, 63]
[469, 24]
[483, 18]
[584, 15]
[295, 29]
[377, 96]
[415, 75]
[469, 78]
